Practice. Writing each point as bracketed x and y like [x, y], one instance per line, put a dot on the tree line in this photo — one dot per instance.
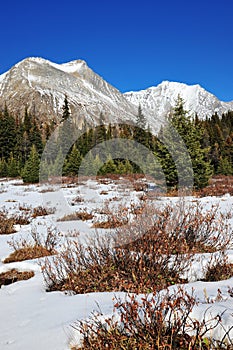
[208, 142]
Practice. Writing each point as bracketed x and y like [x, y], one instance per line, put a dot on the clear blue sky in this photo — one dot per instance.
[131, 44]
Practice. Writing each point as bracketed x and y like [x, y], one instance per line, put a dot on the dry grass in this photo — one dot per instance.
[37, 246]
[113, 223]
[27, 253]
[79, 215]
[13, 276]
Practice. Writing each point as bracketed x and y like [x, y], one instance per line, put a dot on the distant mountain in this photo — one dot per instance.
[162, 98]
[41, 86]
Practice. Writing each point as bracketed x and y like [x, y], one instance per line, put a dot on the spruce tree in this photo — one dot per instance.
[7, 134]
[140, 131]
[12, 166]
[30, 171]
[109, 167]
[3, 168]
[182, 135]
[66, 129]
[72, 163]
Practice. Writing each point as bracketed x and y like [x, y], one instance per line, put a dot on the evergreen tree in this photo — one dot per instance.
[183, 135]
[88, 165]
[225, 166]
[100, 133]
[141, 119]
[66, 129]
[140, 131]
[30, 171]
[56, 167]
[109, 167]
[3, 168]
[7, 134]
[12, 166]
[27, 122]
[35, 136]
[66, 110]
[72, 163]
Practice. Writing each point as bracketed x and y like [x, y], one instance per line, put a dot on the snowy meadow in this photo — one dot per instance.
[46, 230]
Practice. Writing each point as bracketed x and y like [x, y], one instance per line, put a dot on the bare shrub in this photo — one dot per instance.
[218, 268]
[159, 322]
[25, 207]
[21, 219]
[103, 192]
[151, 252]
[77, 200]
[38, 246]
[42, 211]
[116, 217]
[100, 266]
[185, 229]
[78, 215]
[6, 224]
[219, 186]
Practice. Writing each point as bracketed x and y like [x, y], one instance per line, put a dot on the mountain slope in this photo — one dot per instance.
[162, 98]
[42, 85]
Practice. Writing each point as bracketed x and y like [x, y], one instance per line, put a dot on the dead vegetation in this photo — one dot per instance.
[6, 224]
[78, 215]
[218, 186]
[42, 211]
[13, 276]
[36, 246]
[150, 253]
[154, 322]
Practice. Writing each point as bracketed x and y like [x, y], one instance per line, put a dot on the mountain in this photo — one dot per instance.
[162, 98]
[41, 85]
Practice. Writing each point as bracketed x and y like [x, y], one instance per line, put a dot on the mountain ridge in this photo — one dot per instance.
[41, 85]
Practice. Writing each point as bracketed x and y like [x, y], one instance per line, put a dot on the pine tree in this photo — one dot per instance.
[30, 171]
[109, 167]
[225, 166]
[140, 131]
[72, 163]
[87, 165]
[35, 136]
[7, 134]
[12, 166]
[66, 129]
[27, 122]
[56, 167]
[3, 168]
[141, 119]
[180, 140]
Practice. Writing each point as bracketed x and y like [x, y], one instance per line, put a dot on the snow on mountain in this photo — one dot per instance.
[160, 99]
[41, 85]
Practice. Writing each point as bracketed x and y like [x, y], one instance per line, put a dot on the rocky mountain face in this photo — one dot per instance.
[41, 86]
[162, 98]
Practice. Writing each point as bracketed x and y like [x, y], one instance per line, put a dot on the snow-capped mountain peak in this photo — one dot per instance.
[162, 98]
[41, 85]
